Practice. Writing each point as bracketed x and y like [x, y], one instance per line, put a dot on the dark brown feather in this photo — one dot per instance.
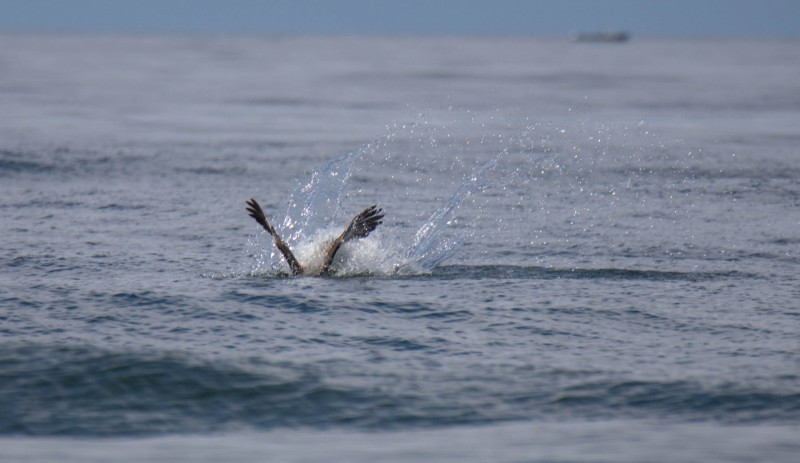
[255, 211]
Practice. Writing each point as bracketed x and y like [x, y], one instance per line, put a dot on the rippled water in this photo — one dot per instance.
[589, 252]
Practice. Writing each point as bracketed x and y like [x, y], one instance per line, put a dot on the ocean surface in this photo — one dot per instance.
[590, 252]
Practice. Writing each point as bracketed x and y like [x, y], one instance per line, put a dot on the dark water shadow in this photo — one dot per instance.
[514, 272]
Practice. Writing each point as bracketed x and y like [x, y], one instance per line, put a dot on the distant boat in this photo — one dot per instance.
[605, 36]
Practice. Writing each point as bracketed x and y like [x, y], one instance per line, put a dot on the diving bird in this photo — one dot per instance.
[359, 227]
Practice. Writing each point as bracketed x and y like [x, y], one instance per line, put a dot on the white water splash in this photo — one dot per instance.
[314, 218]
[428, 248]
[315, 205]
[550, 189]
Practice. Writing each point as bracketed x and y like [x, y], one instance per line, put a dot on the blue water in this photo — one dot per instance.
[590, 252]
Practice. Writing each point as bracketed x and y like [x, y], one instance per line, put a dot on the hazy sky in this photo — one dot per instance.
[674, 18]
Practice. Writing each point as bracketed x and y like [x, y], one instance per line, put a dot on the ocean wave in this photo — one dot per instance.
[13, 162]
[49, 390]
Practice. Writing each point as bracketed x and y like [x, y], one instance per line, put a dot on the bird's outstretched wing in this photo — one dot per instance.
[255, 211]
[363, 224]
[360, 227]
